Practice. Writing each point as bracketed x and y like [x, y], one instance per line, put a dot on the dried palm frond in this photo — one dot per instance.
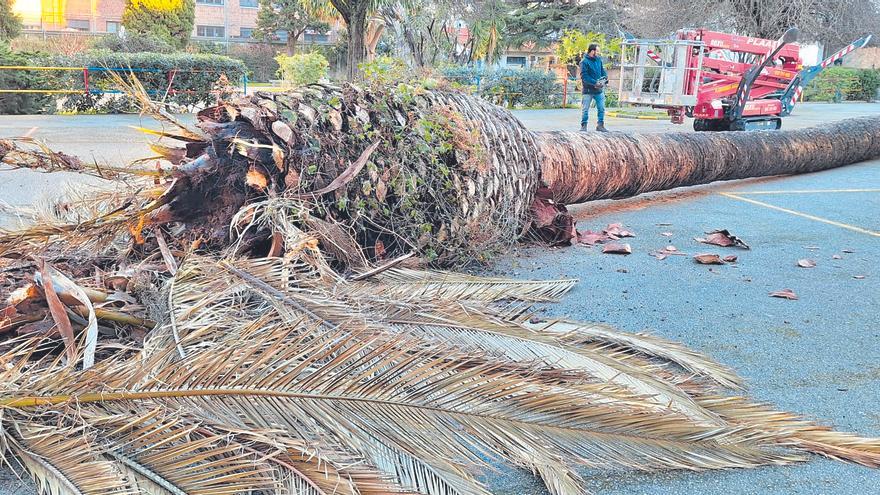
[26, 152]
[287, 370]
[133, 88]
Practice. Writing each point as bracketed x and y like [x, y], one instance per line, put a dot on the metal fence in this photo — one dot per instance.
[566, 94]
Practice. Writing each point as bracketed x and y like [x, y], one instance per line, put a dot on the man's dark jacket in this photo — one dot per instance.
[591, 71]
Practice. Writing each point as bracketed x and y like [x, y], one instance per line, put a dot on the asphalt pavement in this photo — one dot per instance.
[818, 355]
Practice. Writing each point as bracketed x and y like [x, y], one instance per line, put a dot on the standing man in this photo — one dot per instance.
[593, 78]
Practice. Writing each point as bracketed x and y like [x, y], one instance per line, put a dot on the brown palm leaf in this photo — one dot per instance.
[291, 378]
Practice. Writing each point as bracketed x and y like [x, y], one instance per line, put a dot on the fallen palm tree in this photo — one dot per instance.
[438, 172]
[456, 178]
[216, 323]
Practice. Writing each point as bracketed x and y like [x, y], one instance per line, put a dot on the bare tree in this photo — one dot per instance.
[832, 22]
[425, 31]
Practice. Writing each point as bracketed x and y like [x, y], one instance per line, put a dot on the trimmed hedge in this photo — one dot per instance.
[844, 84]
[193, 82]
[22, 103]
[259, 59]
[134, 43]
[302, 68]
[509, 87]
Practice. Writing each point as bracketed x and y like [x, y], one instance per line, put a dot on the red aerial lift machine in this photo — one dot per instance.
[724, 81]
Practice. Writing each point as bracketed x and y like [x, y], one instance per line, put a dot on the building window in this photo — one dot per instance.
[252, 4]
[210, 2]
[210, 31]
[112, 26]
[520, 61]
[281, 35]
[246, 33]
[78, 24]
[316, 38]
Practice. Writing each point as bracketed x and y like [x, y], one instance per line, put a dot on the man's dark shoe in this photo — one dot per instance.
[584, 128]
[601, 127]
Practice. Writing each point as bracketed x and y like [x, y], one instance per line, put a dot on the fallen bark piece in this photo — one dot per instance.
[256, 179]
[785, 294]
[21, 296]
[666, 234]
[45, 327]
[10, 321]
[616, 231]
[7, 312]
[591, 238]
[667, 251]
[859, 277]
[708, 259]
[551, 222]
[612, 232]
[836, 257]
[614, 248]
[806, 263]
[723, 238]
[730, 259]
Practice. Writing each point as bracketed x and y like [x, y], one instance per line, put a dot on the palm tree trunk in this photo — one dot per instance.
[581, 167]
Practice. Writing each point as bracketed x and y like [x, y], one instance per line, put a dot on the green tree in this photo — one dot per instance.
[170, 20]
[293, 16]
[574, 43]
[423, 32]
[544, 22]
[10, 23]
[489, 31]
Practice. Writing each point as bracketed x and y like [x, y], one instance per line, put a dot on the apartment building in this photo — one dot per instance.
[225, 19]
[93, 16]
[215, 20]
[235, 20]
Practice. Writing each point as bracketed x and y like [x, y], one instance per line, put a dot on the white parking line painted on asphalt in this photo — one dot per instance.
[806, 191]
[802, 215]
